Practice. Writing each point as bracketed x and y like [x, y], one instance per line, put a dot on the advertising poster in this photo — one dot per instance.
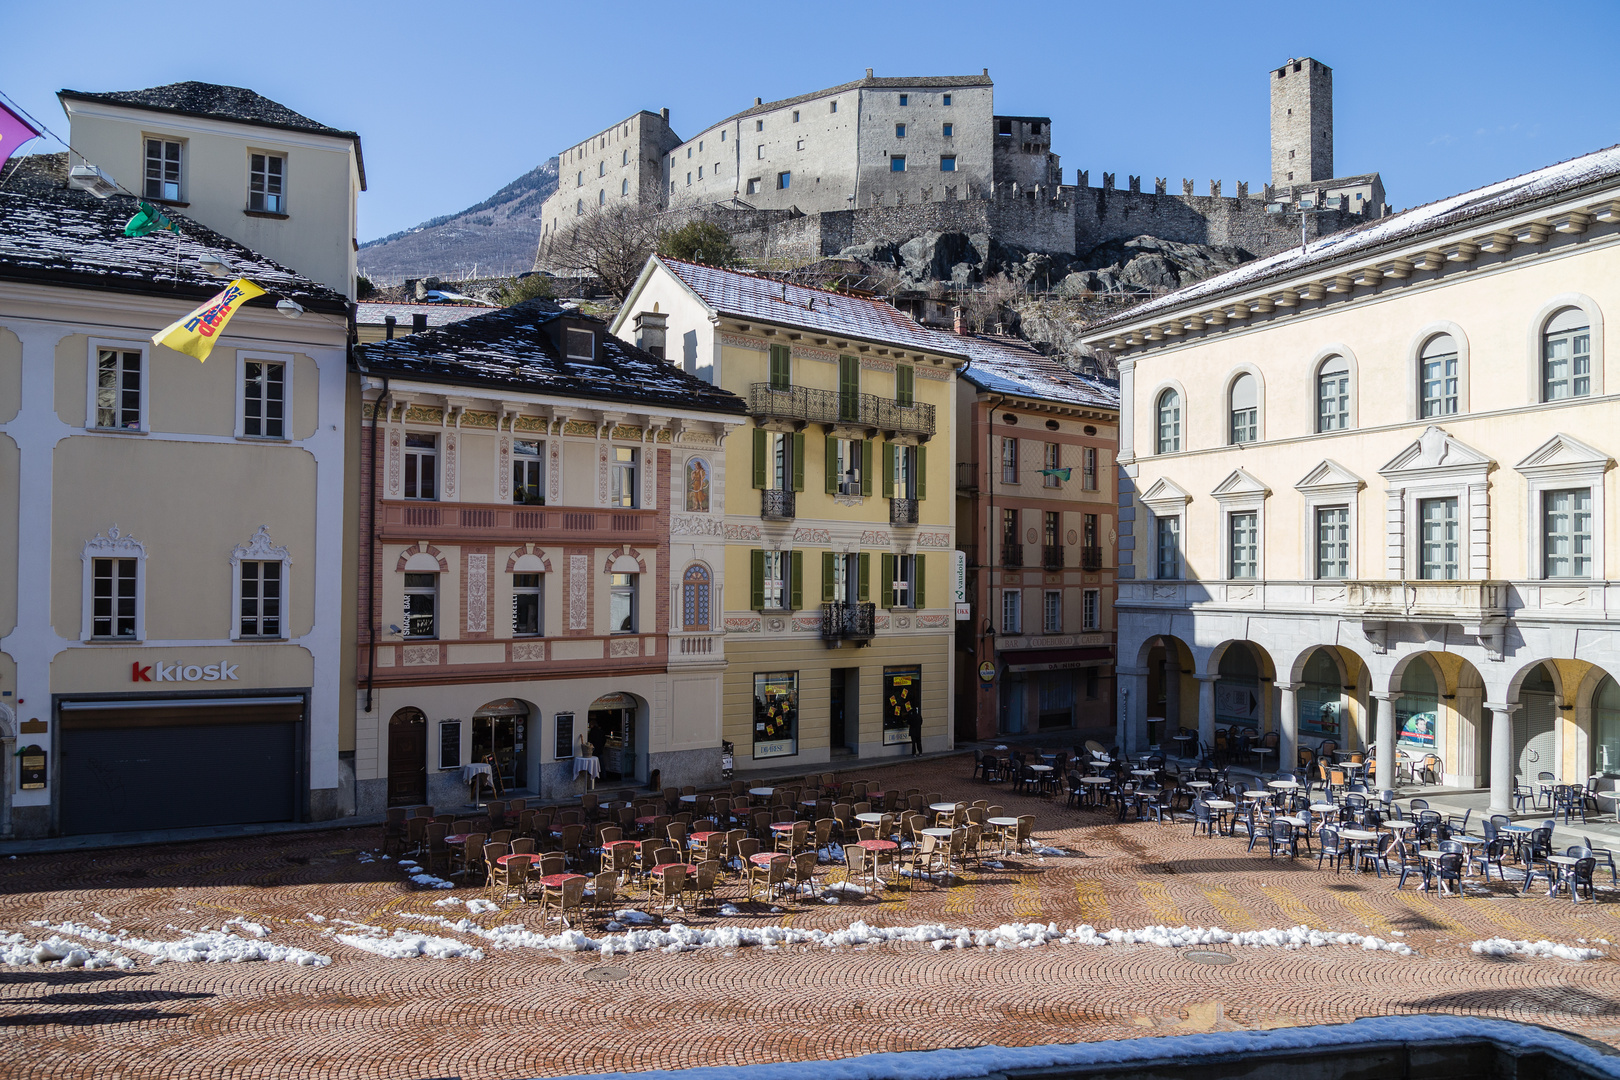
[902, 700]
[776, 714]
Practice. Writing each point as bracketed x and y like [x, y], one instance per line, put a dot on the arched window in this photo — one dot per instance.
[1245, 410]
[695, 585]
[1606, 727]
[1333, 394]
[624, 187]
[601, 197]
[1169, 440]
[697, 486]
[579, 208]
[625, 160]
[1437, 377]
[1566, 356]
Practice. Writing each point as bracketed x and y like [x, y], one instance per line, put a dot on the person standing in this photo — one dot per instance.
[916, 732]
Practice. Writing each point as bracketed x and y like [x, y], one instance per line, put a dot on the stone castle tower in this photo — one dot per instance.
[1301, 123]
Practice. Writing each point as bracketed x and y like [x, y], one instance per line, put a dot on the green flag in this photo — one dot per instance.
[1061, 474]
[147, 219]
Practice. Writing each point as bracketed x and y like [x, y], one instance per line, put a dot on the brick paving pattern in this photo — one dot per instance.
[520, 1013]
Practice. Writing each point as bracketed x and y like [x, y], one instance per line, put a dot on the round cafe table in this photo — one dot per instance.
[555, 881]
[1221, 806]
[1256, 796]
[869, 818]
[1324, 807]
[1400, 826]
[699, 837]
[689, 800]
[642, 821]
[944, 833]
[1144, 773]
[762, 792]
[1283, 785]
[764, 858]
[942, 807]
[457, 838]
[1614, 795]
[783, 826]
[661, 867]
[502, 861]
[1199, 785]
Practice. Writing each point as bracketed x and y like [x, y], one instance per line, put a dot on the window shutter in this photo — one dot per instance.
[796, 584]
[756, 580]
[761, 457]
[918, 596]
[798, 461]
[828, 572]
[888, 470]
[922, 473]
[866, 466]
[886, 582]
[865, 562]
[831, 465]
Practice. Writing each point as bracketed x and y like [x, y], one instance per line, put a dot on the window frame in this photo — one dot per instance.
[1168, 524]
[1236, 557]
[263, 551]
[1257, 423]
[897, 160]
[780, 585]
[1178, 442]
[538, 591]
[1090, 466]
[1012, 611]
[243, 359]
[406, 453]
[523, 461]
[112, 545]
[1006, 465]
[280, 196]
[1052, 458]
[947, 163]
[96, 347]
[1090, 609]
[1317, 561]
[1414, 370]
[1546, 534]
[1240, 493]
[784, 180]
[1420, 537]
[408, 590]
[180, 167]
[239, 615]
[624, 477]
[1323, 359]
[1536, 335]
[1575, 465]
[1051, 611]
[697, 598]
[631, 590]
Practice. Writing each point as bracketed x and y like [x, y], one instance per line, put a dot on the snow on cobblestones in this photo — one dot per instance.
[17, 951]
[422, 877]
[1537, 949]
[207, 946]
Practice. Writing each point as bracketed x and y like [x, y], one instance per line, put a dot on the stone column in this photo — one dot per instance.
[1501, 757]
[1287, 728]
[1131, 730]
[1172, 690]
[1206, 708]
[1384, 740]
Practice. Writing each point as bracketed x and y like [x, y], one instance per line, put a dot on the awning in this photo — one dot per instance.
[1055, 659]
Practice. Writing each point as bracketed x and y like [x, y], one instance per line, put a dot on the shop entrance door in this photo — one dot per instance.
[407, 758]
[499, 732]
[842, 725]
[612, 723]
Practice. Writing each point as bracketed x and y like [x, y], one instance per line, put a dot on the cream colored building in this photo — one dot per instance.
[173, 635]
[239, 163]
[1366, 490]
[845, 630]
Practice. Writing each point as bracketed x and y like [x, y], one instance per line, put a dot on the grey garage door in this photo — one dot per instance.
[179, 768]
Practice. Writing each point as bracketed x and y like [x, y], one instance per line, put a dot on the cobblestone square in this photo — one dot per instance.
[526, 1011]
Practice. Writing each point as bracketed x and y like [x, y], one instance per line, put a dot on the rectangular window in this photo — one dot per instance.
[759, 125]
[905, 99]
[1333, 400]
[780, 444]
[1089, 531]
[1167, 531]
[622, 604]
[1088, 469]
[905, 385]
[421, 605]
[776, 714]
[945, 99]
[261, 600]
[1052, 611]
[850, 452]
[688, 179]
[1012, 611]
[1245, 426]
[1090, 609]
[526, 605]
[947, 131]
[1439, 544]
[781, 368]
[625, 460]
[795, 116]
[784, 180]
[1333, 543]
[897, 163]
[1051, 527]
[421, 466]
[1051, 454]
[265, 179]
[528, 479]
[1440, 385]
[904, 480]
[899, 131]
[947, 163]
[112, 598]
[1012, 546]
[753, 186]
[777, 566]
[264, 403]
[1567, 364]
[834, 106]
[162, 170]
[700, 172]
[1242, 535]
[581, 345]
[1567, 533]
[904, 581]
[1009, 461]
[563, 742]
[118, 389]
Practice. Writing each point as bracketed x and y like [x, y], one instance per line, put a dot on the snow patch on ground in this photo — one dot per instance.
[207, 946]
[1536, 949]
[422, 877]
[633, 917]
[17, 951]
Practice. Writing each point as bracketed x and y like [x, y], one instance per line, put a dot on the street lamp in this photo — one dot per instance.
[1304, 206]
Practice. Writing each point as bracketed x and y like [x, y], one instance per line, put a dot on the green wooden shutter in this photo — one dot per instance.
[886, 582]
[849, 388]
[866, 466]
[865, 562]
[762, 457]
[904, 384]
[798, 461]
[756, 580]
[831, 465]
[888, 470]
[922, 472]
[796, 583]
[781, 368]
[918, 597]
[828, 572]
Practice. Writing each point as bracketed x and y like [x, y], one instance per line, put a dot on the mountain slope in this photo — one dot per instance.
[496, 237]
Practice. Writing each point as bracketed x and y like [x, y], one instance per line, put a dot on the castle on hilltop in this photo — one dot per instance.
[883, 159]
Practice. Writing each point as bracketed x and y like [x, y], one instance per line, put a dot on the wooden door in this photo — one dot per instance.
[407, 758]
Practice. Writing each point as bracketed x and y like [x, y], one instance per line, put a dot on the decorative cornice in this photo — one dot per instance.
[114, 543]
[261, 547]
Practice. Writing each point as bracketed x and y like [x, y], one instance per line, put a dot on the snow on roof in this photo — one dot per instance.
[1006, 365]
[369, 313]
[749, 296]
[513, 348]
[1548, 183]
[52, 233]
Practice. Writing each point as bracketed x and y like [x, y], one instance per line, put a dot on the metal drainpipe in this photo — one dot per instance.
[990, 530]
[371, 549]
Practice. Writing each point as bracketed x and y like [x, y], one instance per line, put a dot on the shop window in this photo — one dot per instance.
[421, 605]
[902, 703]
[499, 740]
[1606, 728]
[1417, 710]
[1320, 701]
[776, 714]
[528, 472]
[1237, 694]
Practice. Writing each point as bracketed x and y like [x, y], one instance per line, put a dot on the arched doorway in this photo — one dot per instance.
[1239, 701]
[1606, 728]
[1321, 701]
[1417, 710]
[500, 737]
[611, 728]
[1172, 692]
[1534, 727]
[407, 758]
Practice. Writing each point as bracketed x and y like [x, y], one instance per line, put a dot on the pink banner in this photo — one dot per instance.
[14, 132]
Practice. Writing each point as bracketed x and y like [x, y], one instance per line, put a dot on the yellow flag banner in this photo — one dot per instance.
[194, 334]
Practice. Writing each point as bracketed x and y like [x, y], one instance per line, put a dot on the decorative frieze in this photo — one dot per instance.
[423, 414]
[475, 419]
[874, 538]
[622, 647]
[937, 540]
[579, 427]
[742, 625]
[477, 593]
[526, 652]
[812, 536]
[421, 655]
[933, 622]
[737, 341]
[579, 570]
[807, 352]
[742, 532]
[696, 525]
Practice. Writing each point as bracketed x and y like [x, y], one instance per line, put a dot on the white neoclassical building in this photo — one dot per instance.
[1364, 490]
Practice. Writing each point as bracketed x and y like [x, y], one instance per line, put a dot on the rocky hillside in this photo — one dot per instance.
[497, 237]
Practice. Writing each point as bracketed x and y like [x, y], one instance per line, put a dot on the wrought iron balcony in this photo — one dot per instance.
[1012, 555]
[844, 621]
[776, 504]
[804, 405]
[1052, 556]
[903, 511]
[1091, 558]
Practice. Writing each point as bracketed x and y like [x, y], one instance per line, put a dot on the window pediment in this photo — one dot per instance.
[1330, 478]
[1240, 485]
[1436, 453]
[1562, 456]
[1164, 497]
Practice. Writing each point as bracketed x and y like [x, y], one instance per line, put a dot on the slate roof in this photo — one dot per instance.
[904, 82]
[216, 102]
[1550, 184]
[374, 314]
[1007, 365]
[54, 234]
[510, 349]
[749, 296]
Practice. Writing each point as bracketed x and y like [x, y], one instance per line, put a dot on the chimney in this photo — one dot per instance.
[868, 73]
[390, 322]
[759, 101]
[959, 321]
[665, 114]
[418, 322]
[987, 73]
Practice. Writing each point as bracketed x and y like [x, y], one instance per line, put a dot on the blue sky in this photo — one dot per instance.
[454, 100]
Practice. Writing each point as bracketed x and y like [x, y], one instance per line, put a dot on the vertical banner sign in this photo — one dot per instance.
[194, 334]
[959, 576]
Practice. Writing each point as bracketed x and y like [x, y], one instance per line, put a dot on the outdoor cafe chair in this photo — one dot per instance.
[509, 877]
[1281, 839]
[745, 849]
[804, 875]
[1449, 867]
[1603, 855]
[773, 875]
[972, 838]
[465, 861]
[569, 896]
[704, 882]
[1203, 818]
[1578, 877]
[668, 883]
[1330, 848]
[604, 891]
[1410, 862]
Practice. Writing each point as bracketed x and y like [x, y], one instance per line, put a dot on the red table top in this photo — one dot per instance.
[554, 881]
[764, 858]
[784, 826]
[647, 820]
[878, 845]
[661, 867]
[621, 843]
[502, 860]
[458, 838]
[701, 836]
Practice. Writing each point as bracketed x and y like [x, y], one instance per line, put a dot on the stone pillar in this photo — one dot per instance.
[1287, 728]
[1501, 757]
[1131, 730]
[1384, 740]
[1206, 708]
[1172, 690]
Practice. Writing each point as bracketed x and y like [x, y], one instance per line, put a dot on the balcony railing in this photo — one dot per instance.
[843, 621]
[810, 406]
[903, 511]
[1052, 557]
[1012, 555]
[1091, 558]
[776, 504]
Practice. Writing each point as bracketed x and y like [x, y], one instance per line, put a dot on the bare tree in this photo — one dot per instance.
[610, 244]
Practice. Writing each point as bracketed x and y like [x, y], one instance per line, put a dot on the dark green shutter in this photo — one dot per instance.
[828, 573]
[831, 465]
[781, 368]
[922, 472]
[865, 562]
[798, 461]
[756, 580]
[761, 457]
[866, 466]
[849, 388]
[888, 470]
[886, 582]
[796, 583]
[904, 375]
[918, 597]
